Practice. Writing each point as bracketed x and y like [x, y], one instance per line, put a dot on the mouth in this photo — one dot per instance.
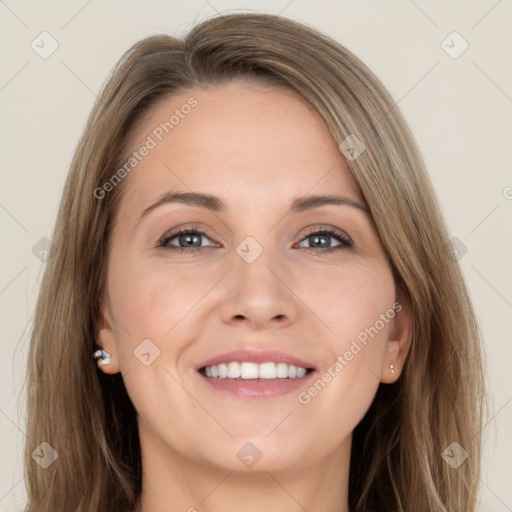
[253, 374]
[246, 370]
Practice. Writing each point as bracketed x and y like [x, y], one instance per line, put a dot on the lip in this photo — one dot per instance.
[257, 389]
[256, 356]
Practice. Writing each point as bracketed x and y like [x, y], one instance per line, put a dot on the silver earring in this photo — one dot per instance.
[103, 355]
[392, 366]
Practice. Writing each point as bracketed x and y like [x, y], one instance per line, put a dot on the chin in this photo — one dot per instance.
[257, 454]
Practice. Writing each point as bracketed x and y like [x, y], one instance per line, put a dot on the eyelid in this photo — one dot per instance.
[325, 227]
[186, 228]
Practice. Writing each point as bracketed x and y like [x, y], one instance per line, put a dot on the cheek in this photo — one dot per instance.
[150, 305]
[154, 311]
[152, 298]
[356, 308]
[350, 302]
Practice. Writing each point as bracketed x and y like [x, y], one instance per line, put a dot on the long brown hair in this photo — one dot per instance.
[399, 460]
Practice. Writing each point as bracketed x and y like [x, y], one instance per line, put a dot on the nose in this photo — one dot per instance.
[260, 294]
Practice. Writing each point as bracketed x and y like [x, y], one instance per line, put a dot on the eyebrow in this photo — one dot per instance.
[215, 204]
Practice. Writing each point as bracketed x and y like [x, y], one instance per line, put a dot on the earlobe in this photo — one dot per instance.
[398, 345]
[106, 356]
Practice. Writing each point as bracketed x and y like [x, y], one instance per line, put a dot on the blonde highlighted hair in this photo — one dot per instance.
[87, 417]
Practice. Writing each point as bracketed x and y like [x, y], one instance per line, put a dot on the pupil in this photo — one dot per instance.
[322, 239]
[188, 239]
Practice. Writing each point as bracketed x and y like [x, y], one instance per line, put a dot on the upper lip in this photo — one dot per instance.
[255, 356]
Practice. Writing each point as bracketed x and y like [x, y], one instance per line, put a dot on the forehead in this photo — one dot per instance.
[241, 141]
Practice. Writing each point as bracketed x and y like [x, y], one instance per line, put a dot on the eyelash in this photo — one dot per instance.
[345, 242]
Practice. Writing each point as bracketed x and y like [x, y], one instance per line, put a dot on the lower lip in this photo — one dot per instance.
[258, 388]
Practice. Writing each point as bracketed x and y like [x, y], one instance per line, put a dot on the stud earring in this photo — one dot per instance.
[103, 356]
[392, 366]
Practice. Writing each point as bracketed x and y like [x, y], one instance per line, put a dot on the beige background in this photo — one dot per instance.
[460, 110]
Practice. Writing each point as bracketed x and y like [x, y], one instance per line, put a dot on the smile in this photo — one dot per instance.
[250, 370]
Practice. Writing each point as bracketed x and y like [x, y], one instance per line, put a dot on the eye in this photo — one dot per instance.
[189, 240]
[320, 237]
[184, 240]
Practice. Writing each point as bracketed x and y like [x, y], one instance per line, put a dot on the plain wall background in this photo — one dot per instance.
[459, 109]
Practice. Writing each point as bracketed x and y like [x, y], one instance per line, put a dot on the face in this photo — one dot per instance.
[261, 274]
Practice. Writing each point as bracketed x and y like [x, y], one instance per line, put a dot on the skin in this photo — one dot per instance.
[257, 148]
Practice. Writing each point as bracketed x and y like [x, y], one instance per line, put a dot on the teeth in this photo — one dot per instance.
[233, 371]
[301, 372]
[223, 371]
[268, 371]
[282, 370]
[245, 370]
[249, 370]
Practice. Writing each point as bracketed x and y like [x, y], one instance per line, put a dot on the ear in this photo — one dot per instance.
[398, 344]
[106, 338]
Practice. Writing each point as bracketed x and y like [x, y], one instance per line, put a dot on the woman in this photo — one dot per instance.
[249, 247]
